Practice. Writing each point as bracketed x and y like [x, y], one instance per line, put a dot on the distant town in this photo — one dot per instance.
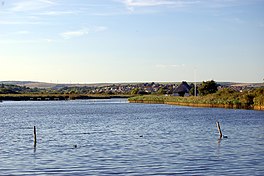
[181, 88]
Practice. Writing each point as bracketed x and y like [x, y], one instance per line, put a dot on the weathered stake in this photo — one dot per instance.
[219, 130]
[35, 137]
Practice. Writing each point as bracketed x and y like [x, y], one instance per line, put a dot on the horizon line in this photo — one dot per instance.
[127, 82]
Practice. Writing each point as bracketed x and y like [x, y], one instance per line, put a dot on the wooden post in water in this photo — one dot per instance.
[219, 130]
[35, 137]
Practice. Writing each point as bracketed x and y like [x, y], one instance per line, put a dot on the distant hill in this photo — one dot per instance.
[44, 85]
[233, 84]
[30, 84]
[248, 84]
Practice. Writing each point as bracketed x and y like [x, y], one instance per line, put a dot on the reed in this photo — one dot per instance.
[223, 99]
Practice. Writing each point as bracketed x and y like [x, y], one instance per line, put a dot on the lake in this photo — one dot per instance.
[114, 137]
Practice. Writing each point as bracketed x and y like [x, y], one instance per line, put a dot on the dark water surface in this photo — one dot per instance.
[114, 137]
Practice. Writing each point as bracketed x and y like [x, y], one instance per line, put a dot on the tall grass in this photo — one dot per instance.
[227, 97]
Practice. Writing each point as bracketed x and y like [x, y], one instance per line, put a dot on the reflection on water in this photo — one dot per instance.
[107, 137]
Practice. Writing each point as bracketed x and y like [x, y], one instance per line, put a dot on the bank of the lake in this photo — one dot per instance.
[51, 97]
[214, 100]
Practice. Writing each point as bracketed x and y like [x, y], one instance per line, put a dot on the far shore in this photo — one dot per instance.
[204, 105]
[56, 97]
[150, 99]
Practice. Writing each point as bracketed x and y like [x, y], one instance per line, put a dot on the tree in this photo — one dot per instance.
[134, 91]
[161, 91]
[207, 87]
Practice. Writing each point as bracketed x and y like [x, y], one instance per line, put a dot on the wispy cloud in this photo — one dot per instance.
[131, 5]
[30, 5]
[57, 13]
[143, 3]
[178, 4]
[76, 33]
[48, 40]
[82, 32]
[22, 32]
[99, 28]
[170, 65]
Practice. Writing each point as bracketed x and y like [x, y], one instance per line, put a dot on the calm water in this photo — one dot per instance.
[115, 137]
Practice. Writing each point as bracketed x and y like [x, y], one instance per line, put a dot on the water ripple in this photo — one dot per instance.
[112, 137]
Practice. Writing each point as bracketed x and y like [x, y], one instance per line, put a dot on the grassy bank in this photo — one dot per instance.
[49, 97]
[224, 99]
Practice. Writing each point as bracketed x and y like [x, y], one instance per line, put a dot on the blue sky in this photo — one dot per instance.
[91, 41]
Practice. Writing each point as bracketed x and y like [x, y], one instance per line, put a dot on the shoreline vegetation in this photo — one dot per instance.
[225, 98]
[209, 94]
[56, 97]
[222, 99]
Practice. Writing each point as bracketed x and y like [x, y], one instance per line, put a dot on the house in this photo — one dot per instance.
[182, 89]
